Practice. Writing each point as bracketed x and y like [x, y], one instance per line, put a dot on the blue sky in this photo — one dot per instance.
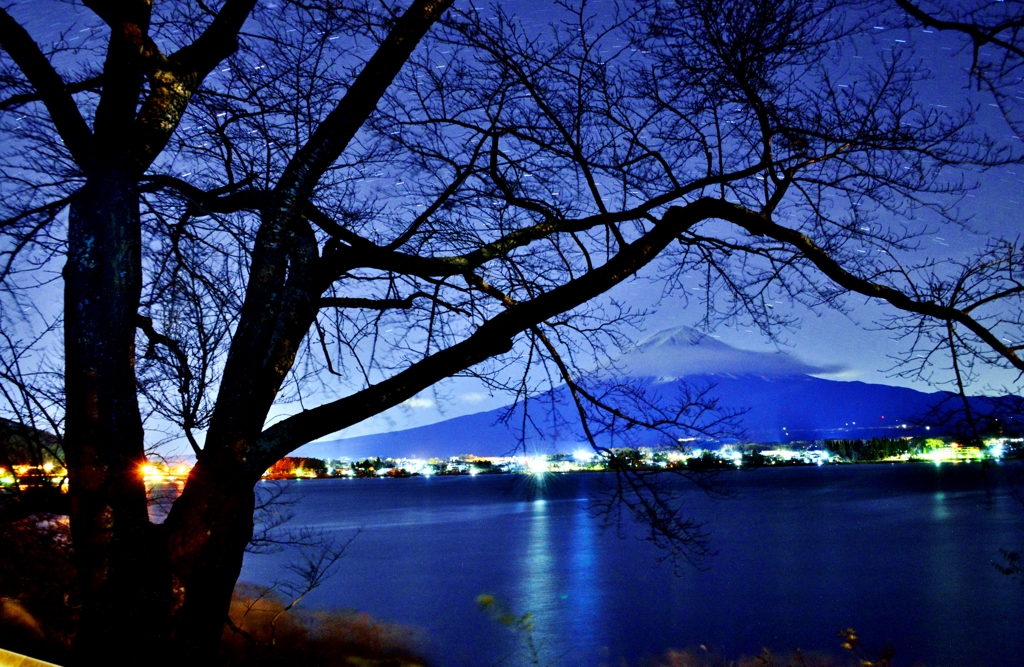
[827, 343]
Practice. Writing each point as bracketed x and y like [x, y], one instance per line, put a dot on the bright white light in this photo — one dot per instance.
[538, 465]
[785, 454]
[583, 455]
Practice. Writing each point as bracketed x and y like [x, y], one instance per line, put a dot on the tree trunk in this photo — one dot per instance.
[207, 532]
[120, 568]
[158, 591]
[211, 523]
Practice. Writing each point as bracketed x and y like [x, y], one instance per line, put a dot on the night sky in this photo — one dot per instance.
[826, 343]
[829, 344]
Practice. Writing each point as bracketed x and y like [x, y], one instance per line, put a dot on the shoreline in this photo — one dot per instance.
[681, 469]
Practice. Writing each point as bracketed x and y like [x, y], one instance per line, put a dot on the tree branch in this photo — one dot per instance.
[184, 371]
[492, 338]
[838, 274]
[93, 83]
[373, 256]
[230, 198]
[174, 79]
[978, 34]
[50, 87]
[336, 131]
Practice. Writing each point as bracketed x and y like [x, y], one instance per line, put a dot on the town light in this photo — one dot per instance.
[538, 465]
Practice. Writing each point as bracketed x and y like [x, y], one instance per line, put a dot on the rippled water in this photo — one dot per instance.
[902, 553]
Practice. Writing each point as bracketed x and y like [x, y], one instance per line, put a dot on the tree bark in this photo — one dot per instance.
[120, 570]
[207, 532]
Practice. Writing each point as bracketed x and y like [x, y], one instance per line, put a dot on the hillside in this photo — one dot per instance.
[782, 401]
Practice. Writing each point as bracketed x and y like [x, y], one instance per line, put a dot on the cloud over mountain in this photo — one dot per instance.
[684, 351]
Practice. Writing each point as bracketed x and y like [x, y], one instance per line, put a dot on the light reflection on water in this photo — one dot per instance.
[902, 553]
[941, 512]
[538, 580]
[405, 517]
[583, 594]
[539, 587]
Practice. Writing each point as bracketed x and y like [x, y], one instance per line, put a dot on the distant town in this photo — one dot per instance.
[685, 455]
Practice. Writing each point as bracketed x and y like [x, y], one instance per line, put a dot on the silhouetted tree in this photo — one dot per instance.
[992, 34]
[248, 203]
[987, 285]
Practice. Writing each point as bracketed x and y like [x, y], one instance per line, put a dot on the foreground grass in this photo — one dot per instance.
[260, 632]
[701, 658]
[856, 655]
[39, 613]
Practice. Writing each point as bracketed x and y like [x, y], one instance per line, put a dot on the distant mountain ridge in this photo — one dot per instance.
[783, 403]
[779, 409]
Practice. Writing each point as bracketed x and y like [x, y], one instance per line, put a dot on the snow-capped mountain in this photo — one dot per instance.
[778, 395]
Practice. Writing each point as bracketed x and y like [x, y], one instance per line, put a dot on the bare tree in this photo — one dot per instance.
[986, 286]
[261, 205]
[992, 36]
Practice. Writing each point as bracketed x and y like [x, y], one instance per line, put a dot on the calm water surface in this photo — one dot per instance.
[903, 553]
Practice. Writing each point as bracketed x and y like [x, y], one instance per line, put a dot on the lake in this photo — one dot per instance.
[903, 553]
